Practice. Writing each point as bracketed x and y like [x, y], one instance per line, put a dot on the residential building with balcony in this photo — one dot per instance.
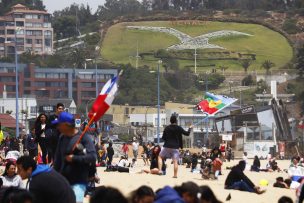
[31, 28]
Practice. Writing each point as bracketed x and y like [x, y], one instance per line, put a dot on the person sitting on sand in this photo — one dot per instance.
[237, 180]
[256, 164]
[207, 170]
[154, 162]
[296, 169]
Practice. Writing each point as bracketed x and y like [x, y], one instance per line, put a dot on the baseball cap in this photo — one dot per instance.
[64, 117]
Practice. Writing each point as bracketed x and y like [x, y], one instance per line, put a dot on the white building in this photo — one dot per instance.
[27, 108]
[148, 123]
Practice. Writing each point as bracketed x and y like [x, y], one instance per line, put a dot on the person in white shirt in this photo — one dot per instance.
[135, 146]
[10, 177]
[123, 165]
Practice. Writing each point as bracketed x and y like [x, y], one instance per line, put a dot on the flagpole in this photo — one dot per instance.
[91, 121]
[83, 132]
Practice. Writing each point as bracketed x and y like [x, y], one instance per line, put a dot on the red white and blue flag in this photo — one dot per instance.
[104, 99]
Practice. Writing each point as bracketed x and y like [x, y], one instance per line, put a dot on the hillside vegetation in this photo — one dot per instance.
[120, 45]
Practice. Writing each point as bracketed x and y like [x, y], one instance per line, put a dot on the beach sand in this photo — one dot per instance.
[127, 182]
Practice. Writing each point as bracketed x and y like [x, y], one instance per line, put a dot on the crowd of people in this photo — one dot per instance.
[65, 169]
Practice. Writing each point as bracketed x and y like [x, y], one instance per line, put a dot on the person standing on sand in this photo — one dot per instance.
[173, 141]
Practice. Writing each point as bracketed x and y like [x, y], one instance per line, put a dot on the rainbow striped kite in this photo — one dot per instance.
[213, 103]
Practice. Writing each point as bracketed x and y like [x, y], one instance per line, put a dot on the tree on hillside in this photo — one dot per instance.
[300, 61]
[245, 63]
[70, 21]
[160, 4]
[114, 8]
[267, 65]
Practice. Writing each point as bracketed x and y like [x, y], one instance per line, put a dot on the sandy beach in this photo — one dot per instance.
[127, 182]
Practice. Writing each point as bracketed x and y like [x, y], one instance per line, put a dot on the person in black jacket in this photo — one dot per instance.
[44, 183]
[53, 133]
[41, 126]
[172, 136]
[237, 180]
[74, 164]
[256, 164]
[110, 154]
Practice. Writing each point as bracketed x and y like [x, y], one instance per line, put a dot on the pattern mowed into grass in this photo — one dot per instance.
[120, 44]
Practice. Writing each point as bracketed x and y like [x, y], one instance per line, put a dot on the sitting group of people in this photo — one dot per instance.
[188, 192]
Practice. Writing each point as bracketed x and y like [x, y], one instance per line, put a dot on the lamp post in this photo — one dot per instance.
[158, 101]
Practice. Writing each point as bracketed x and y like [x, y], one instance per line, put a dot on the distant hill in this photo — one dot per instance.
[120, 45]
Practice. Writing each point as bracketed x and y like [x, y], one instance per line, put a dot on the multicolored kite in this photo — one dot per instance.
[213, 103]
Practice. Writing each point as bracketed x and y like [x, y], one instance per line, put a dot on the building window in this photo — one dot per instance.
[29, 32]
[20, 41]
[10, 23]
[29, 41]
[37, 25]
[20, 32]
[2, 32]
[27, 92]
[10, 88]
[33, 109]
[28, 24]
[62, 75]
[38, 41]
[52, 75]
[47, 42]
[2, 39]
[20, 23]
[10, 32]
[47, 25]
[18, 16]
[7, 79]
[40, 75]
[39, 84]
[87, 84]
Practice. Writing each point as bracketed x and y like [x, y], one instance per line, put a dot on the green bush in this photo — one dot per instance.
[248, 80]
[290, 26]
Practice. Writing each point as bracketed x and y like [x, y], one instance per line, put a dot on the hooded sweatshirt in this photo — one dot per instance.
[48, 186]
[168, 195]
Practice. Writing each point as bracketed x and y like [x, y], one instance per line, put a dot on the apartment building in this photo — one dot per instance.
[53, 83]
[31, 28]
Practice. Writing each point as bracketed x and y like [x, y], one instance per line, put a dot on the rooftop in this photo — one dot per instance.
[8, 121]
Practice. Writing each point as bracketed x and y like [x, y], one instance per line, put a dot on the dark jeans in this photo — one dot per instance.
[242, 186]
[42, 143]
[109, 162]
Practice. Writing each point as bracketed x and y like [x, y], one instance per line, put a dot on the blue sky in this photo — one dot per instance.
[53, 5]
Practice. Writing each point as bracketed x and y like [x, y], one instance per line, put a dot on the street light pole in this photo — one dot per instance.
[17, 84]
[96, 81]
[158, 102]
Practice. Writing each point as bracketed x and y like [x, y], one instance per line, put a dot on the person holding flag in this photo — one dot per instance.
[76, 154]
[74, 163]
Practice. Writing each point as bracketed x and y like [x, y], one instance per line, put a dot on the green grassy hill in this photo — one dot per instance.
[120, 44]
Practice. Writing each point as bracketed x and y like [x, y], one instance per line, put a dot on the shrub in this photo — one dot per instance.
[290, 26]
[248, 80]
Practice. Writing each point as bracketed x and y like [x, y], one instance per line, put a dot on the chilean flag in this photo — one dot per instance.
[104, 99]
